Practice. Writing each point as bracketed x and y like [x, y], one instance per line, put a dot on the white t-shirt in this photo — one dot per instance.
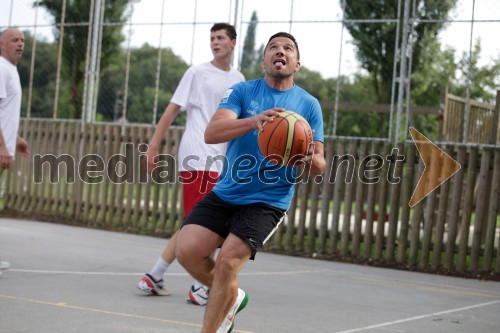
[10, 103]
[199, 93]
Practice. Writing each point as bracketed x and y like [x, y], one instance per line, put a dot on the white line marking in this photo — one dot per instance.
[40, 271]
[417, 318]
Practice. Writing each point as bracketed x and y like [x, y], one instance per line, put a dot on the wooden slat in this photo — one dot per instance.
[47, 204]
[304, 189]
[337, 175]
[77, 137]
[489, 244]
[176, 212]
[407, 191]
[348, 195]
[147, 186]
[290, 221]
[430, 206]
[155, 188]
[360, 197]
[415, 221]
[165, 148]
[456, 199]
[370, 210]
[325, 200]
[467, 211]
[39, 145]
[382, 205]
[395, 193]
[97, 188]
[138, 187]
[62, 181]
[129, 222]
[481, 209]
[116, 194]
[441, 214]
[313, 217]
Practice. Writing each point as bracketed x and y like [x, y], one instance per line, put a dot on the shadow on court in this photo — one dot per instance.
[70, 279]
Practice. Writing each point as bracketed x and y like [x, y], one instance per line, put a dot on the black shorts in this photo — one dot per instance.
[254, 223]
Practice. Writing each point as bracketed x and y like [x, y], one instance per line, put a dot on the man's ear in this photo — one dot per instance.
[297, 67]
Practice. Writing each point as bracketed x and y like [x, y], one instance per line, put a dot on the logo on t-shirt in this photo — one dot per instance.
[226, 95]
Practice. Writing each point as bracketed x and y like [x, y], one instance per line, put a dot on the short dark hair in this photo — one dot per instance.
[286, 35]
[230, 30]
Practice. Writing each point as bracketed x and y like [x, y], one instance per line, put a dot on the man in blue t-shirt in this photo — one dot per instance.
[252, 195]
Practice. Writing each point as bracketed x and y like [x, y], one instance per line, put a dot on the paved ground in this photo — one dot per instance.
[69, 279]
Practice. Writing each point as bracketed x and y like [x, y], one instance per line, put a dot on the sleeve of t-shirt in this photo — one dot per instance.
[184, 91]
[233, 99]
[316, 121]
[3, 83]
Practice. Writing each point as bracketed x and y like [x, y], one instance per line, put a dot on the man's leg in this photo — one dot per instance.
[194, 255]
[152, 282]
[233, 255]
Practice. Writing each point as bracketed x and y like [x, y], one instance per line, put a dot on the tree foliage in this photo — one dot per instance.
[75, 40]
[249, 58]
[376, 42]
[484, 80]
[44, 76]
[250, 65]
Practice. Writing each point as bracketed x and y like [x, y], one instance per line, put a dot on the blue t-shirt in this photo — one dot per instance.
[247, 176]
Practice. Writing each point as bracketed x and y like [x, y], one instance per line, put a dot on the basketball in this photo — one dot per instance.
[286, 139]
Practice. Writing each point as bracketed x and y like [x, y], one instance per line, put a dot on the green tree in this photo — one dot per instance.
[376, 42]
[75, 41]
[250, 58]
[141, 86]
[44, 76]
[484, 80]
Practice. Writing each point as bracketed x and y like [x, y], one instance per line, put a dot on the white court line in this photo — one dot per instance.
[417, 317]
[168, 274]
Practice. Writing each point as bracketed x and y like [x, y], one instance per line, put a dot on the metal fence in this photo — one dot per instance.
[182, 28]
[455, 229]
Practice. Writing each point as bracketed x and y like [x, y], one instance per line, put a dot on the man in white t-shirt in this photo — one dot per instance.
[12, 47]
[199, 93]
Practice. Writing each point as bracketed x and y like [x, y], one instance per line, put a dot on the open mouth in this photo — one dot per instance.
[279, 62]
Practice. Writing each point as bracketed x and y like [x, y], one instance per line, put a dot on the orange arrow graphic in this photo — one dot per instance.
[438, 167]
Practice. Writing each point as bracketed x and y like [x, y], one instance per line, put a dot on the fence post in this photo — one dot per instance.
[495, 135]
[443, 109]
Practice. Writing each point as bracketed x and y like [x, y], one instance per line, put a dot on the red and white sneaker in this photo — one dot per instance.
[240, 303]
[198, 296]
[150, 286]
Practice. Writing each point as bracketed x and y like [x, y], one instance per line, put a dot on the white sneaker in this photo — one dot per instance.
[149, 285]
[4, 265]
[198, 296]
[240, 303]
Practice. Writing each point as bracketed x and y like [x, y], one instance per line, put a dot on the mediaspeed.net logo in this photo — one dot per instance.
[438, 167]
[130, 167]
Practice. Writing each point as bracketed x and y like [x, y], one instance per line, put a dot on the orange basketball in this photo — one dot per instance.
[286, 139]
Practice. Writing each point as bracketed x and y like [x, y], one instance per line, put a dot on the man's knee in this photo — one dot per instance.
[181, 249]
[189, 249]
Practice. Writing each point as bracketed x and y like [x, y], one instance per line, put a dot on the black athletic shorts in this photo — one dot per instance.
[254, 223]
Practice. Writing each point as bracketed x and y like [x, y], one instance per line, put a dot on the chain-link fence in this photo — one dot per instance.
[377, 67]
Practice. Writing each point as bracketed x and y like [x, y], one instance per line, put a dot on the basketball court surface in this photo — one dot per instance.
[71, 279]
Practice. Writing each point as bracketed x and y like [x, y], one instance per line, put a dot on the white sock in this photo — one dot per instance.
[197, 284]
[159, 269]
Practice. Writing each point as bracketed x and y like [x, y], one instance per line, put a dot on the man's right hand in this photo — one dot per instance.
[151, 158]
[5, 158]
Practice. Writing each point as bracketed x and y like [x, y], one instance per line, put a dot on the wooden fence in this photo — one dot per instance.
[482, 121]
[342, 216]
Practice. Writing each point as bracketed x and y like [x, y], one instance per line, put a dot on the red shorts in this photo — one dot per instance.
[196, 184]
